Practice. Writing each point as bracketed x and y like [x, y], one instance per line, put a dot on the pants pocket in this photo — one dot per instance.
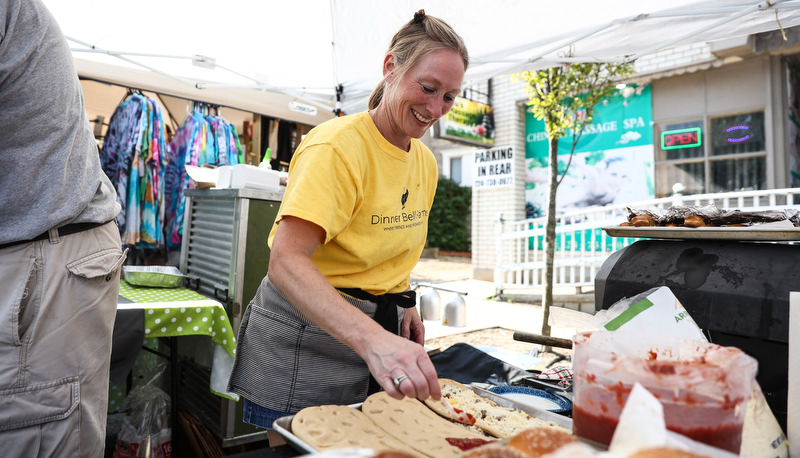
[41, 420]
[24, 301]
[104, 263]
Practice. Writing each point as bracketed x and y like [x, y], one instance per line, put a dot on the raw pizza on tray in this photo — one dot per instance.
[497, 420]
[413, 427]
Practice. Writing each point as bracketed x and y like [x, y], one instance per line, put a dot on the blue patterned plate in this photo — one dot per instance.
[533, 397]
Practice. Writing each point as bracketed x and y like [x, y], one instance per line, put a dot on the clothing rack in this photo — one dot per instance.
[206, 109]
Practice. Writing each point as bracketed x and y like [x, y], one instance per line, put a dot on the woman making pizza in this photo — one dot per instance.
[335, 306]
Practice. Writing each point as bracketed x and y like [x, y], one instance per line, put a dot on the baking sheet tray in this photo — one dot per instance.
[283, 425]
[154, 276]
[764, 234]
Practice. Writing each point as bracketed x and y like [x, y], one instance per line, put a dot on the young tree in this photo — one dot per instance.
[565, 98]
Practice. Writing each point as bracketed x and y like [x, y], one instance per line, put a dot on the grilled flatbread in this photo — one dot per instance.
[494, 419]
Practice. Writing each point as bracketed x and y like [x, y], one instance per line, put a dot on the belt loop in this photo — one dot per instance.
[53, 235]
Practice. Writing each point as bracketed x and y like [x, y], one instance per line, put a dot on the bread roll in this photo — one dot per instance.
[494, 451]
[393, 454]
[665, 452]
[693, 221]
[643, 221]
[536, 442]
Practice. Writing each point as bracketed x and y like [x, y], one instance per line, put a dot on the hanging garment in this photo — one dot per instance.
[119, 145]
[133, 156]
[201, 139]
[151, 230]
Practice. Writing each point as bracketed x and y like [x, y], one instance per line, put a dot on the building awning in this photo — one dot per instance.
[774, 40]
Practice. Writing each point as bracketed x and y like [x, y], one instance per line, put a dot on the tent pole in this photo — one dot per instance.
[339, 88]
[131, 61]
[259, 83]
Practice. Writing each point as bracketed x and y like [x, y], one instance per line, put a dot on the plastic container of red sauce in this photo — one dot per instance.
[703, 387]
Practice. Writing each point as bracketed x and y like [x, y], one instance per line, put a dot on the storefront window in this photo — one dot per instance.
[690, 174]
[739, 174]
[682, 140]
[737, 134]
[728, 156]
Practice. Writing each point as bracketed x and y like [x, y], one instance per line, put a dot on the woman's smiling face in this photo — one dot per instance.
[422, 95]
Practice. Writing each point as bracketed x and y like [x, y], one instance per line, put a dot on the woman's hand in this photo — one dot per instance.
[392, 358]
[412, 328]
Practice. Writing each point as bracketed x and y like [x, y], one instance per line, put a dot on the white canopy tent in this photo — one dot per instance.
[262, 56]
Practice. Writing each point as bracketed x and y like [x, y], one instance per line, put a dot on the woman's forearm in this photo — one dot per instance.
[296, 276]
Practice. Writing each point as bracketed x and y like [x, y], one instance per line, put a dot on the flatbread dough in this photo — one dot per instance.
[410, 421]
[331, 427]
[496, 420]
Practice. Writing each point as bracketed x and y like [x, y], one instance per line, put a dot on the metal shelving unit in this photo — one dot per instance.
[224, 256]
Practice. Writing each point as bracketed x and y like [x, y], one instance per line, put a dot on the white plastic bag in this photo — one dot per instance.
[655, 310]
[146, 430]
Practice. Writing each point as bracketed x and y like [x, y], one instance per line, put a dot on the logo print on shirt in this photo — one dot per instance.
[404, 199]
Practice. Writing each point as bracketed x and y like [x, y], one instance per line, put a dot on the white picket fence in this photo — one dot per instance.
[582, 246]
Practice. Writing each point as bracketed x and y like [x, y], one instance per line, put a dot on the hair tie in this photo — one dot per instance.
[418, 17]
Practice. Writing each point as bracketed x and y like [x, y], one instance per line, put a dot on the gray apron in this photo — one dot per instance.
[286, 363]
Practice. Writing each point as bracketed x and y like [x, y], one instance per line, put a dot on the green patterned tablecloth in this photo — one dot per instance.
[171, 312]
[175, 312]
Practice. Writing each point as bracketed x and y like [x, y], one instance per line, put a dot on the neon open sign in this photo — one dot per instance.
[683, 138]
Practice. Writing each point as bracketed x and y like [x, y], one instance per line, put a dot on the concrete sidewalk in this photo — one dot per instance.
[484, 312]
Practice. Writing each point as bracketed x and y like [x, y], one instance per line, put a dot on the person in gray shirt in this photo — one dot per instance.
[60, 249]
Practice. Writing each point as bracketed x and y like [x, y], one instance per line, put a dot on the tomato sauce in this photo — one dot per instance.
[702, 398]
[727, 437]
[465, 443]
[464, 417]
[599, 427]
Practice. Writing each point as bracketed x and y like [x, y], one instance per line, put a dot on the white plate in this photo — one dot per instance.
[532, 400]
[533, 397]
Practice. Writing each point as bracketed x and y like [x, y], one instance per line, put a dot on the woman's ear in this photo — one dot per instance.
[388, 67]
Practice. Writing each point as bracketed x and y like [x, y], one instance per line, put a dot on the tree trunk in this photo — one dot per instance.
[550, 236]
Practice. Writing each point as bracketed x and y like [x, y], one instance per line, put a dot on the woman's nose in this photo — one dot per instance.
[436, 108]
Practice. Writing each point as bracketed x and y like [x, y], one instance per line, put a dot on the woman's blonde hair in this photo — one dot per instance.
[420, 36]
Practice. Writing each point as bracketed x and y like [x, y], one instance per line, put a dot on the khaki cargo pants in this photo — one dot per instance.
[57, 310]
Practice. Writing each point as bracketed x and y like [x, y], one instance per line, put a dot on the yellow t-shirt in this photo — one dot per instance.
[371, 198]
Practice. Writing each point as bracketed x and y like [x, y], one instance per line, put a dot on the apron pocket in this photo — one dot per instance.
[285, 365]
